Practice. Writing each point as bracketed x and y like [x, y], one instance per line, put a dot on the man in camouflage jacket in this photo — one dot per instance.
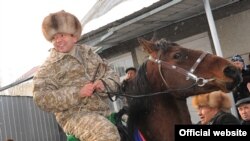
[69, 82]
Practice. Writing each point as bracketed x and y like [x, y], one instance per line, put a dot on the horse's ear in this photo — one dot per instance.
[154, 38]
[148, 46]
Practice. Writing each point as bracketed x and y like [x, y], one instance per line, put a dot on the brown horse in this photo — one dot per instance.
[170, 75]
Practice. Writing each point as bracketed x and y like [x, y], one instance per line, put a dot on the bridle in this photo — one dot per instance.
[200, 81]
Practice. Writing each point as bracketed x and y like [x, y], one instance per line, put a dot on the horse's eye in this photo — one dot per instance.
[177, 56]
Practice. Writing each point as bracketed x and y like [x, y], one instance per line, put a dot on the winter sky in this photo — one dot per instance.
[22, 45]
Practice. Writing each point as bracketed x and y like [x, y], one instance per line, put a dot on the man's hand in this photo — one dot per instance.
[88, 89]
[98, 85]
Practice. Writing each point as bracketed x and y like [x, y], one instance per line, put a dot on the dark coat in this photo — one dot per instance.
[223, 118]
[242, 122]
[124, 85]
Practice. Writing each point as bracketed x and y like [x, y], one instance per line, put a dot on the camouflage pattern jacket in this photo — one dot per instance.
[58, 81]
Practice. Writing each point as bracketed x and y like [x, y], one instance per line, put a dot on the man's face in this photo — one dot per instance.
[63, 42]
[131, 74]
[206, 113]
[244, 111]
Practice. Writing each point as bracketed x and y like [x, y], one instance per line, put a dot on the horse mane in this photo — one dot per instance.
[141, 107]
[164, 44]
[141, 80]
[140, 85]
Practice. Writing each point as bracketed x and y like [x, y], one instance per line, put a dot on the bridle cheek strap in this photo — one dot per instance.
[198, 61]
[199, 80]
[189, 74]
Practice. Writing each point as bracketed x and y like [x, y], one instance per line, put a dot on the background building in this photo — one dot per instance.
[181, 21]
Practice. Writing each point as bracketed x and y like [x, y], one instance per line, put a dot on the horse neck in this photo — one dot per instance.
[184, 112]
[166, 112]
[176, 106]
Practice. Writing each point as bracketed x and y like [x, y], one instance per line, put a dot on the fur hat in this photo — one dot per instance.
[61, 22]
[216, 99]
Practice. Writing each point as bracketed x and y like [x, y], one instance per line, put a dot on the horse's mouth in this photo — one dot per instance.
[235, 83]
[225, 85]
[235, 76]
[228, 86]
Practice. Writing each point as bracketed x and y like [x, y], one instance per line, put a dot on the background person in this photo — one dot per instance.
[248, 66]
[241, 91]
[70, 82]
[243, 107]
[130, 74]
[213, 108]
[248, 86]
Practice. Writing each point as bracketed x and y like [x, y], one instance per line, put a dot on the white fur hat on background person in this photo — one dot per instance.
[61, 22]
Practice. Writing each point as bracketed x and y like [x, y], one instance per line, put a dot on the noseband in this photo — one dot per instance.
[200, 81]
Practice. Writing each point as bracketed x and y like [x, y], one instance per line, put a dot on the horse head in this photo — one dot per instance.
[175, 68]
[163, 82]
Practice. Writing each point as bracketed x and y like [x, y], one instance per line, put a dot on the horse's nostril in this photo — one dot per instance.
[231, 71]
